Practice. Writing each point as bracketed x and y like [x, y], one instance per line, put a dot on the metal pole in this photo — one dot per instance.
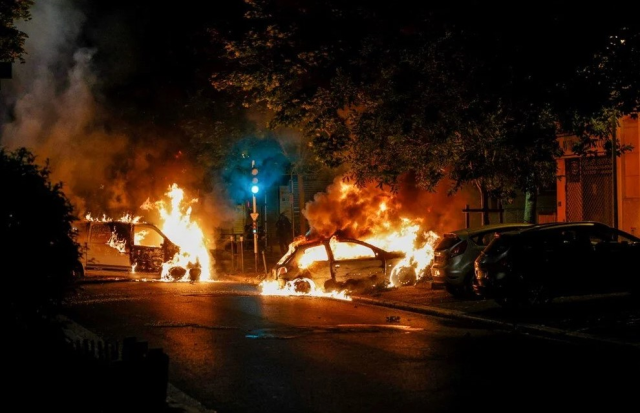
[264, 262]
[264, 222]
[293, 216]
[232, 243]
[255, 235]
[614, 172]
[242, 252]
[254, 217]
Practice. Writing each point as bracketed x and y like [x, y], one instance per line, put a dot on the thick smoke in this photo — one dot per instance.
[53, 107]
[368, 211]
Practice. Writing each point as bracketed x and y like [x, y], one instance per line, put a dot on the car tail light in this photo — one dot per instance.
[459, 249]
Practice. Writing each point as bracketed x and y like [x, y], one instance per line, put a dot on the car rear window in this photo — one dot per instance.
[499, 245]
[448, 241]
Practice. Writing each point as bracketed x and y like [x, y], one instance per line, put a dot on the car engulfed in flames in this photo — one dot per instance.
[337, 265]
[128, 247]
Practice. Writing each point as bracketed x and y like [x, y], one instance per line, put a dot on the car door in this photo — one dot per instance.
[149, 249]
[567, 261]
[355, 261]
[308, 261]
[614, 256]
[108, 246]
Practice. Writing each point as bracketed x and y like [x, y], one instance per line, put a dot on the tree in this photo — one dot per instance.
[40, 256]
[389, 89]
[608, 88]
[11, 39]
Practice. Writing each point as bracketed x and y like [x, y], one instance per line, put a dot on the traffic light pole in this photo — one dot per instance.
[254, 216]
[255, 233]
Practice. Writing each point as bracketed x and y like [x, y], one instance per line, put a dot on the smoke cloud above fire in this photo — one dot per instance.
[54, 107]
[370, 211]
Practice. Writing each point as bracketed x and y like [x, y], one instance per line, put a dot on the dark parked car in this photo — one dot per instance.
[455, 253]
[532, 266]
[335, 264]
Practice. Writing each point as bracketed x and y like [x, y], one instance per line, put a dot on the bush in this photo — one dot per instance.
[39, 254]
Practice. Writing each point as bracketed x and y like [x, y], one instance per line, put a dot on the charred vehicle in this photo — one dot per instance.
[121, 248]
[336, 264]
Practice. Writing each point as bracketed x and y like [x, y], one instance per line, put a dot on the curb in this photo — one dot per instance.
[548, 332]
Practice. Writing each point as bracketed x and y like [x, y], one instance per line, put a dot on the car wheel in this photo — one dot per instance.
[508, 302]
[454, 291]
[467, 288]
[177, 273]
[78, 272]
[537, 294]
[301, 285]
[405, 276]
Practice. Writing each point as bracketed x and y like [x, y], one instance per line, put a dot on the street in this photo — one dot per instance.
[236, 351]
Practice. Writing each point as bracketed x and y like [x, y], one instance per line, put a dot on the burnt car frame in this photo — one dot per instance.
[534, 265]
[336, 264]
[115, 248]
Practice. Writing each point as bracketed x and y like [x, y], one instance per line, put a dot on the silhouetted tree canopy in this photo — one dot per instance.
[471, 91]
[11, 39]
[39, 254]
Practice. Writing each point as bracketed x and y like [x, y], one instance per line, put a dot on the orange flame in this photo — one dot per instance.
[119, 244]
[184, 232]
[374, 215]
[294, 287]
[128, 218]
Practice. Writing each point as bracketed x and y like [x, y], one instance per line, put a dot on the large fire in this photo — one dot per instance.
[179, 227]
[193, 262]
[370, 214]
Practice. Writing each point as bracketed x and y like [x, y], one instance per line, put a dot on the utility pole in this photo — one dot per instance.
[254, 216]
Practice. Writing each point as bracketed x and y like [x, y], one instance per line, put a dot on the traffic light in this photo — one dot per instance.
[254, 181]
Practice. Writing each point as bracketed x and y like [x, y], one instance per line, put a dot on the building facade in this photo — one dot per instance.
[599, 188]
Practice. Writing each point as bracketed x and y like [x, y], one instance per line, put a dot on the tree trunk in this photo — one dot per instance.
[301, 202]
[484, 204]
[530, 207]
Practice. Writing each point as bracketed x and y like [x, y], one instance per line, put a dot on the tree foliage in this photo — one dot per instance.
[608, 88]
[39, 253]
[470, 92]
[387, 90]
[11, 39]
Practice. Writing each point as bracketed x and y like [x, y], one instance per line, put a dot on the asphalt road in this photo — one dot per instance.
[233, 350]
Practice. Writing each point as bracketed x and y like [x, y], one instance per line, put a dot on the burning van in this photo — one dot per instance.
[132, 249]
[335, 264]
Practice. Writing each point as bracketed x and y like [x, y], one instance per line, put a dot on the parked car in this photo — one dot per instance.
[115, 248]
[454, 255]
[533, 265]
[335, 264]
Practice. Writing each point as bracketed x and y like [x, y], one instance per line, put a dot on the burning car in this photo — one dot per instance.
[131, 249]
[336, 264]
